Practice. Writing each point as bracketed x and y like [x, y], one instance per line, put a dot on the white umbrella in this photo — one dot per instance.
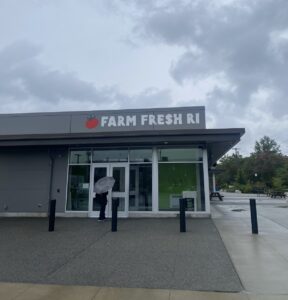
[104, 184]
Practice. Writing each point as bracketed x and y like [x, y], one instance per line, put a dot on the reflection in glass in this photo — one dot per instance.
[110, 155]
[99, 172]
[140, 155]
[173, 180]
[140, 188]
[79, 156]
[119, 175]
[78, 188]
[121, 206]
[173, 155]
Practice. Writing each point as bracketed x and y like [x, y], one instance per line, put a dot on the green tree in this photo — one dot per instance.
[280, 179]
[266, 159]
[229, 167]
[265, 168]
[266, 145]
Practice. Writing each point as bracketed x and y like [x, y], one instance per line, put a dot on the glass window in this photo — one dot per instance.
[99, 172]
[80, 156]
[140, 189]
[121, 206]
[188, 154]
[119, 176]
[173, 180]
[78, 188]
[140, 155]
[110, 155]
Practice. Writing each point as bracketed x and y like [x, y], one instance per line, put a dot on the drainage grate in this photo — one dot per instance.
[238, 209]
[282, 206]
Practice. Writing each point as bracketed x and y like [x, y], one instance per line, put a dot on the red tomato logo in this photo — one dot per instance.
[92, 122]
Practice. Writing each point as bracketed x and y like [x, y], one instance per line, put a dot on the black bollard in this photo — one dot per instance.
[253, 212]
[52, 209]
[115, 204]
[182, 208]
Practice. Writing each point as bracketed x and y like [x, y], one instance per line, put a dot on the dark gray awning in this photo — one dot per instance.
[217, 141]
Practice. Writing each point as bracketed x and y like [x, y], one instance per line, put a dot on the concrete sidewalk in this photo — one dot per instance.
[261, 260]
[18, 291]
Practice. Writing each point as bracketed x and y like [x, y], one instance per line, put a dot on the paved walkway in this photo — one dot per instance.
[144, 253]
[19, 291]
[261, 260]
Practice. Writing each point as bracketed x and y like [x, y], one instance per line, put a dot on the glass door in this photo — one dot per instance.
[120, 189]
[97, 171]
[119, 171]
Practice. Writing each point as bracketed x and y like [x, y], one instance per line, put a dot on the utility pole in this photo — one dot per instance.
[236, 151]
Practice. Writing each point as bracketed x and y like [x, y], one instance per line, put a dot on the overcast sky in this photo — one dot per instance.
[228, 55]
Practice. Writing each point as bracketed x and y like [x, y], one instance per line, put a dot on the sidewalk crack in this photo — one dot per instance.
[79, 253]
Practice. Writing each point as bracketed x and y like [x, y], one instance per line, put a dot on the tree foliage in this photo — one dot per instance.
[266, 168]
[266, 145]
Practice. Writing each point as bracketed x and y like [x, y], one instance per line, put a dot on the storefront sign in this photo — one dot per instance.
[151, 120]
[158, 119]
[104, 121]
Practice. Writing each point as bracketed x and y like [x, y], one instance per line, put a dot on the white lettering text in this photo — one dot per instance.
[177, 119]
[169, 119]
[131, 121]
[190, 119]
[160, 119]
[121, 121]
[112, 122]
[104, 120]
[152, 120]
[144, 119]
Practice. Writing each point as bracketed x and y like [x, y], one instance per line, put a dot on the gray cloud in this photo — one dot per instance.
[232, 54]
[150, 97]
[24, 77]
[235, 38]
[26, 85]
[245, 42]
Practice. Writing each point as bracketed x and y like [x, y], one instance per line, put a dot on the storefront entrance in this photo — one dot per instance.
[120, 172]
[149, 181]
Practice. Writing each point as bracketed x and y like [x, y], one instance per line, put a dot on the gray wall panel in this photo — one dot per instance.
[25, 180]
[59, 178]
[43, 124]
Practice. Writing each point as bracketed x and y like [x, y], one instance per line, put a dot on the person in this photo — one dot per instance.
[102, 202]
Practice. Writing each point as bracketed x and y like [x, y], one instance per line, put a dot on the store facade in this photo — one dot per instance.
[154, 156]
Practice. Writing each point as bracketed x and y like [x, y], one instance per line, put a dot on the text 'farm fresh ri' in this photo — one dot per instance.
[143, 120]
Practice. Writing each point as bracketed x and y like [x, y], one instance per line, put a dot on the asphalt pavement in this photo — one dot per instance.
[144, 253]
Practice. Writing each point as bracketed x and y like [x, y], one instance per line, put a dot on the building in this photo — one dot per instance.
[153, 154]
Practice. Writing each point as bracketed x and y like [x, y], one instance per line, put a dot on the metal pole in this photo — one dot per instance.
[51, 173]
[52, 209]
[253, 212]
[115, 204]
[182, 207]
[214, 182]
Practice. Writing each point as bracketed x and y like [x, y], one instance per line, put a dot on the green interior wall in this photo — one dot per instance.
[173, 179]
